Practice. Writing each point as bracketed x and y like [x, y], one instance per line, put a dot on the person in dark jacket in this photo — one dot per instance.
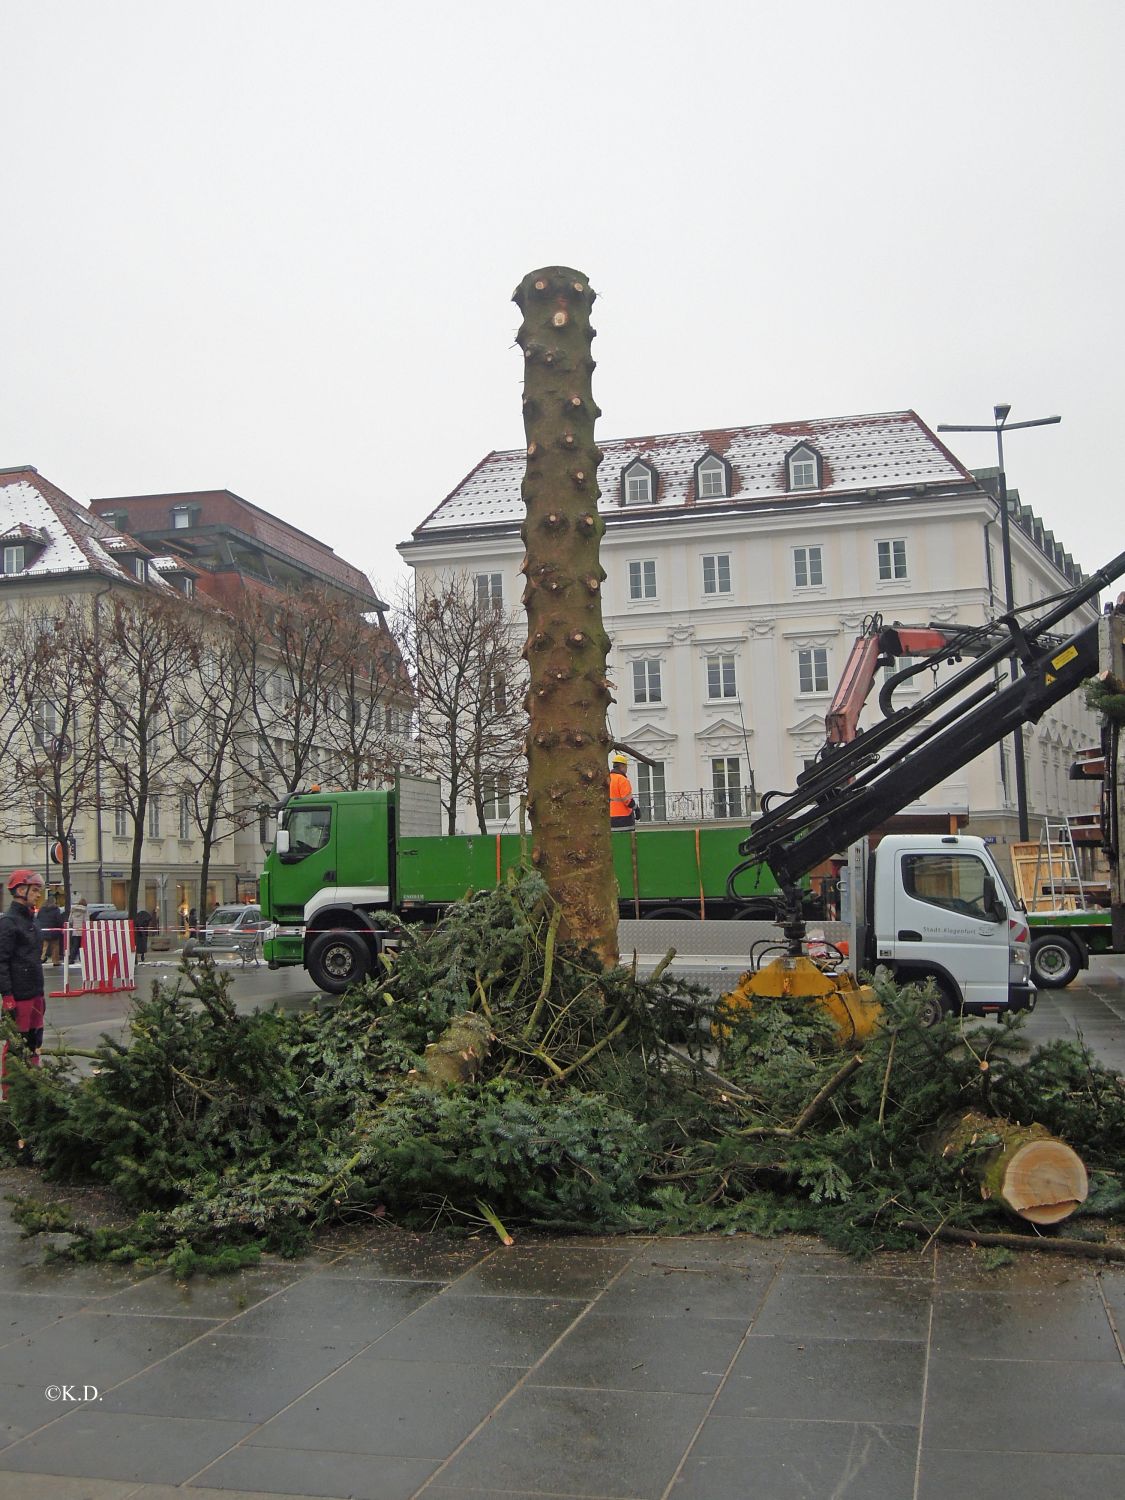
[140, 932]
[50, 922]
[21, 967]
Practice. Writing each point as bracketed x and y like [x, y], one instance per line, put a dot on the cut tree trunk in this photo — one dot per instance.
[1024, 1167]
[567, 646]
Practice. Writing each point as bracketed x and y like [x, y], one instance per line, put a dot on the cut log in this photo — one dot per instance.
[1024, 1167]
[457, 1054]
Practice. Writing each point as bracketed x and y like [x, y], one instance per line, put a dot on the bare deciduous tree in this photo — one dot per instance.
[462, 654]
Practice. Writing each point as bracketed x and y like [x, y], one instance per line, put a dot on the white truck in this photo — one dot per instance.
[938, 907]
[925, 906]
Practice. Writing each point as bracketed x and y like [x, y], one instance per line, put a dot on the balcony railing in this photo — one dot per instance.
[693, 807]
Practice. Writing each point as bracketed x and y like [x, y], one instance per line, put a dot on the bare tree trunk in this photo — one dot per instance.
[567, 646]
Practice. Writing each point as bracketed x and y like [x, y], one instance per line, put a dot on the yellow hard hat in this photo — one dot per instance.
[619, 759]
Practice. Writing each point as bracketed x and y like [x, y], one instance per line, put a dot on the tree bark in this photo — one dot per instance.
[567, 646]
[1024, 1167]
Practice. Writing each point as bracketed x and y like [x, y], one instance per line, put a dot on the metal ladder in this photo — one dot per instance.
[1057, 860]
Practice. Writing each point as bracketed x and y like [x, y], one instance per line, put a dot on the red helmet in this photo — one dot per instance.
[24, 877]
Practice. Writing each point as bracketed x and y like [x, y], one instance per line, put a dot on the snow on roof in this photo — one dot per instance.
[891, 450]
[75, 541]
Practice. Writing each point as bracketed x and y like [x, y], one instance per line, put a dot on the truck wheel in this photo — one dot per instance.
[936, 1005]
[338, 960]
[671, 914]
[1055, 961]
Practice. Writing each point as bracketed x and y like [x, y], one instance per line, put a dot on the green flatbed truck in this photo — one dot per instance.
[342, 857]
[1062, 942]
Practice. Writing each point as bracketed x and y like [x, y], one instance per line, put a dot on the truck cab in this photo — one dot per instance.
[938, 907]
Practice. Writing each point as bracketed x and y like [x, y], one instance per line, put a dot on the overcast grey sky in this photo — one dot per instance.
[270, 245]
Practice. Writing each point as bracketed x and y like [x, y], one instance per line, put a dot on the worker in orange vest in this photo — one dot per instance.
[622, 807]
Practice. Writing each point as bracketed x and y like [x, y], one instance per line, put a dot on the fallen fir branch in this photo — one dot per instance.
[1051, 1245]
[813, 1107]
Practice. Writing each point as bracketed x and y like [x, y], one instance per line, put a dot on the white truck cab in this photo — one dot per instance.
[937, 906]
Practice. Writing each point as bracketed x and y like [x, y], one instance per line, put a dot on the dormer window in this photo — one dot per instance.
[182, 517]
[803, 468]
[638, 483]
[712, 477]
[15, 559]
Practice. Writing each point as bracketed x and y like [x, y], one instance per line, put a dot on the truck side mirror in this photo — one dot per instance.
[993, 906]
[281, 841]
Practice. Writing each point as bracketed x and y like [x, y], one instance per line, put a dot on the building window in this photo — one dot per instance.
[726, 783]
[803, 468]
[181, 517]
[646, 680]
[39, 812]
[716, 573]
[490, 590]
[46, 723]
[812, 669]
[808, 567]
[497, 797]
[154, 818]
[120, 819]
[495, 694]
[711, 478]
[14, 559]
[720, 676]
[185, 815]
[892, 559]
[642, 580]
[650, 793]
[188, 586]
[638, 484]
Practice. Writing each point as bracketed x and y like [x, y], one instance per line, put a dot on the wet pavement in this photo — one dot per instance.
[390, 1365]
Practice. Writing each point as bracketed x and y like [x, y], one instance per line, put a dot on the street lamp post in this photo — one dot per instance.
[999, 426]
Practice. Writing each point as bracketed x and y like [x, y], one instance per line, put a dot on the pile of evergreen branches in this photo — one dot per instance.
[594, 1101]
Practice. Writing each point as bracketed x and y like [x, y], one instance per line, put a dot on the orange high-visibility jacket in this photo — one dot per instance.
[620, 795]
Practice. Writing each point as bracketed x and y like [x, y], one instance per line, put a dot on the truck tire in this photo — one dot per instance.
[671, 914]
[1055, 961]
[338, 960]
[937, 1006]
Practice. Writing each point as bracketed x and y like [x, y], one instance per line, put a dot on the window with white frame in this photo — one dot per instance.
[14, 559]
[46, 723]
[497, 797]
[490, 590]
[726, 786]
[808, 567]
[716, 573]
[642, 579]
[711, 478]
[496, 694]
[120, 819]
[39, 812]
[646, 680]
[720, 676]
[650, 792]
[185, 815]
[812, 669]
[892, 559]
[154, 817]
[638, 484]
[181, 517]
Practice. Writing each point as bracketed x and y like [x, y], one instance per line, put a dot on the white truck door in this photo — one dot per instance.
[941, 915]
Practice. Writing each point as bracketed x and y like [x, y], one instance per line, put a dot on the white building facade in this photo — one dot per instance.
[740, 566]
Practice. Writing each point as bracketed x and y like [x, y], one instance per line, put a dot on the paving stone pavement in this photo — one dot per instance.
[392, 1365]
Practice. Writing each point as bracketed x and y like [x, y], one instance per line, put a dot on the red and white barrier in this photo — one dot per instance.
[109, 960]
[109, 956]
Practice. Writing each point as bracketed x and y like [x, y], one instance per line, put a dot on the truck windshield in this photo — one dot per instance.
[955, 882]
[309, 828]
